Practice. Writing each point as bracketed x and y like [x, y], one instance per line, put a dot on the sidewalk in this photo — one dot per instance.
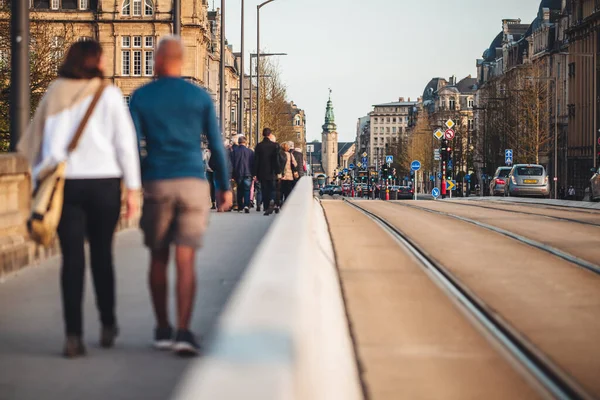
[31, 326]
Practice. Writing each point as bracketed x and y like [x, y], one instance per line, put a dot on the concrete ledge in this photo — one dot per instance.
[284, 334]
[588, 205]
[16, 250]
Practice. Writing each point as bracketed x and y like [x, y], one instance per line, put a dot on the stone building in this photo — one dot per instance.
[451, 99]
[582, 30]
[129, 31]
[363, 137]
[389, 125]
[298, 121]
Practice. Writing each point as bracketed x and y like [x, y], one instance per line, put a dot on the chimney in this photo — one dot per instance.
[401, 99]
[409, 99]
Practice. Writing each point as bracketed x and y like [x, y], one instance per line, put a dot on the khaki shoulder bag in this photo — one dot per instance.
[47, 202]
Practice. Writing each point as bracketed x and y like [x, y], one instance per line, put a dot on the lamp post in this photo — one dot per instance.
[242, 76]
[222, 71]
[19, 93]
[252, 56]
[258, 7]
[177, 17]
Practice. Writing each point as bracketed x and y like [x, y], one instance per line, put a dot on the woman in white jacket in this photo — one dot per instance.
[106, 154]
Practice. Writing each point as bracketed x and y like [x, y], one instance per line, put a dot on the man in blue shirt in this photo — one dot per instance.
[242, 159]
[170, 116]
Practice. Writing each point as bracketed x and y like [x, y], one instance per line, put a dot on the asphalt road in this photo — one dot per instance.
[31, 326]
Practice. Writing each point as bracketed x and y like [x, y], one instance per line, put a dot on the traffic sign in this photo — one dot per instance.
[468, 178]
[438, 134]
[365, 161]
[508, 157]
[415, 165]
[449, 134]
[345, 170]
[435, 193]
[365, 154]
[450, 165]
[450, 185]
[389, 159]
[450, 124]
[310, 148]
[359, 164]
[351, 166]
[439, 175]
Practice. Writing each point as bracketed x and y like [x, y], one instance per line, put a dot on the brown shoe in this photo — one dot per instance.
[108, 336]
[74, 347]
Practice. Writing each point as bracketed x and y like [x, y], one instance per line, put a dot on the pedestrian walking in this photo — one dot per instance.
[172, 114]
[289, 171]
[296, 152]
[82, 120]
[571, 193]
[243, 165]
[210, 177]
[266, 167]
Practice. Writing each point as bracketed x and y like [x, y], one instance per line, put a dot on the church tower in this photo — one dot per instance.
[329, 151]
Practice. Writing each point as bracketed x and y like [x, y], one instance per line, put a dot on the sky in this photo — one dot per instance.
[371, 51]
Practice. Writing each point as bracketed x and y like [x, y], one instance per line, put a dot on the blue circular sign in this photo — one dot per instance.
[435, 192]
[415, 165]
[351, 166]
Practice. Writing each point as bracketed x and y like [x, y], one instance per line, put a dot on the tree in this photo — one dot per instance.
[275, 109]
[46, 54]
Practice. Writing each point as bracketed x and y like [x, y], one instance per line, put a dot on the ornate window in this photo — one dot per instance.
[135, 8]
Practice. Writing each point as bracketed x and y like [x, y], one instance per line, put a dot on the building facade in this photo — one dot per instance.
[129, 31]
[389, 125]
[298, 121]
[582, 20]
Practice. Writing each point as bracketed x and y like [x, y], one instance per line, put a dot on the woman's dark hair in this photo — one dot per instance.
[82, 61]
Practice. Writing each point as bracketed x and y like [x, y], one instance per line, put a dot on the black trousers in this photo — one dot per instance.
[91, 210]
[268, 192]
[286, 189]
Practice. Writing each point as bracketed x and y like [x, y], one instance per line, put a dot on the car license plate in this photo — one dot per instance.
[530, 181]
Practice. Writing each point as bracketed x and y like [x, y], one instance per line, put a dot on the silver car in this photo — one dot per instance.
[595, 186]
[499, 181]
[527, 180]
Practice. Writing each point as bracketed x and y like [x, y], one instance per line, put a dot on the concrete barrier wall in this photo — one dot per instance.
[284, 334]
[16, 250]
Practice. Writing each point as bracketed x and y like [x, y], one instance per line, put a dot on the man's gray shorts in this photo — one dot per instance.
[175, 211]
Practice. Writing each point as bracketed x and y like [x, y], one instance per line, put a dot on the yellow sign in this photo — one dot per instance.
[365, 154]
[450, 185]
[439, 134]
[450, 124]
[359, 164]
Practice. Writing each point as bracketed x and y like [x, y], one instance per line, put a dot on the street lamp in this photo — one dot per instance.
[222, 71]
[252, 56]
[553, 78]
[258, 7]
[242, 76]
[19, 94]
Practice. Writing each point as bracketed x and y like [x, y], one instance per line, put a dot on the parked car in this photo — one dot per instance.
[527, 180]
[336, 190]
[595, 186]
[499, 181]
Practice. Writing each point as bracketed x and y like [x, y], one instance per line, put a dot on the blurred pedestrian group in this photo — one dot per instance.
[95, 154]
[262, 179]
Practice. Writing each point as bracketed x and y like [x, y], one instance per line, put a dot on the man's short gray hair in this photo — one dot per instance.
[169, 40]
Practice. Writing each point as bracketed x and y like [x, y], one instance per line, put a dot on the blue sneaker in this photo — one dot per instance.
[163, 338]
[185, 344]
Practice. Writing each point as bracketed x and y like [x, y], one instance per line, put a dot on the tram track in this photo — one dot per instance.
[551, 377]
[552, 217]
[520, 238]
